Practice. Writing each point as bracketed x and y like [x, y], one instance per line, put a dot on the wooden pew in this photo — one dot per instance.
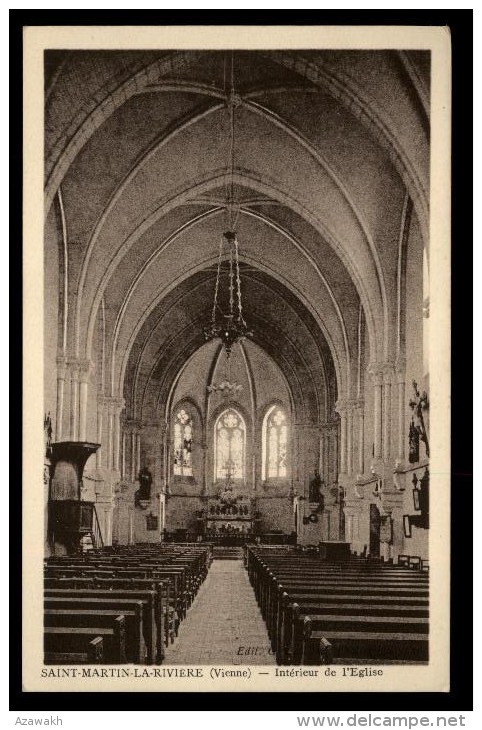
[82, 612]
[333, 627]
[326, 647]
[290, 628]
[320, 609]
[151, 622]
[74, 639]
[120, 586]
[92, 653]
[115, 576]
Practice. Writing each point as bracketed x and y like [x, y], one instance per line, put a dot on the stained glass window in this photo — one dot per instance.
[275, 444]
[183, 444]
[230, 443]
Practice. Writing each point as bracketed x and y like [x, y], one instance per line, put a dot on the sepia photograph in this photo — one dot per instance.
[243, 359]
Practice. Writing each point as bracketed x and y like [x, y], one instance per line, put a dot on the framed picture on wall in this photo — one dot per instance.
[407, 526]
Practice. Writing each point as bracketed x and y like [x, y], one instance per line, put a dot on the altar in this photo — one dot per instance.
[229, 513]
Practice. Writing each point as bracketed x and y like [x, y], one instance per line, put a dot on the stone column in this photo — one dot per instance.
[84, 373]
[61, 371]
[107, 535]
[131, 538]
[204, 447]
[117, 406]
[360, 410]
[132, 429]
[400, 372]
[110, 432]
[138, 452]
[387, 410]
[133, 454]
[341, 409]
[124, 445]
[100, 425]
[74, 400]
[349, 437]
[324, 458]
[377, 378]
[166, 458]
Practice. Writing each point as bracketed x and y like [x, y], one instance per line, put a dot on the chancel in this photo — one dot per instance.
[236, 364]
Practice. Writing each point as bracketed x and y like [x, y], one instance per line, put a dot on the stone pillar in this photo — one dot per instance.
[138, 452]
[133, 453]
[377, 378]
[61, 371]
[100, 425]
[349, 438]
[204, 447]
[387, 411]
[163, 456]
[360, 410]
[84, 373]
[131, 538]
[400, 372]
[117, 406]
[110, 432]
[133, 436]
[107, 533]
[74, 400]
[341, 409]
[325, 440]
[124, 445]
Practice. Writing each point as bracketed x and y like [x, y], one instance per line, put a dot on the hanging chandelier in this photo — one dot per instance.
[230, 327]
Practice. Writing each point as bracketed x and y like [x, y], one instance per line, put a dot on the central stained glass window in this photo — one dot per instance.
[230, 445]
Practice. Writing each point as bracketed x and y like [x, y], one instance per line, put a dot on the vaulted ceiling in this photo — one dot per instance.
[331, 148]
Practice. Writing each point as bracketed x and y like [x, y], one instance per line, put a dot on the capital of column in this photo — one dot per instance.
[388, 372]
[353, 405]
[328, 426]
[61, 368]
[131, 425]
[358, 405]
[153, 425]
[400, 368]
[119, 404]
[74, 367]
[341, 406]
[86, 369]
[111, 401]
[375, 370]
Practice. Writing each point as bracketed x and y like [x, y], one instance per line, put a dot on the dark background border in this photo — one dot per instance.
[460, 696]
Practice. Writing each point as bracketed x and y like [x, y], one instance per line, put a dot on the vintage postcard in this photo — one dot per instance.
[237, 378]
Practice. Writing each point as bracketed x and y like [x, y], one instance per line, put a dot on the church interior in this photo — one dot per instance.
[236, 280]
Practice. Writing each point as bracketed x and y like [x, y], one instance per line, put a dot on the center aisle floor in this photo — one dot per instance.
[224, 624]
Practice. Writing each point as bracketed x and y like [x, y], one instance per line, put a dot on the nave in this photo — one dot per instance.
[176, 605]
[237, 310]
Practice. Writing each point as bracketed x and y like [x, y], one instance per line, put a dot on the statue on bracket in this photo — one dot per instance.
[417, 431]
[315, 487]
[145, 484]
[48, 432]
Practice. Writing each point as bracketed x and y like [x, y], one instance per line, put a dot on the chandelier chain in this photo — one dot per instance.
[231, 283]
[216, 287]
[238, 281]
[230, 327]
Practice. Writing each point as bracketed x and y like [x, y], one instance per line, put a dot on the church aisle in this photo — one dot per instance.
[224, 625]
